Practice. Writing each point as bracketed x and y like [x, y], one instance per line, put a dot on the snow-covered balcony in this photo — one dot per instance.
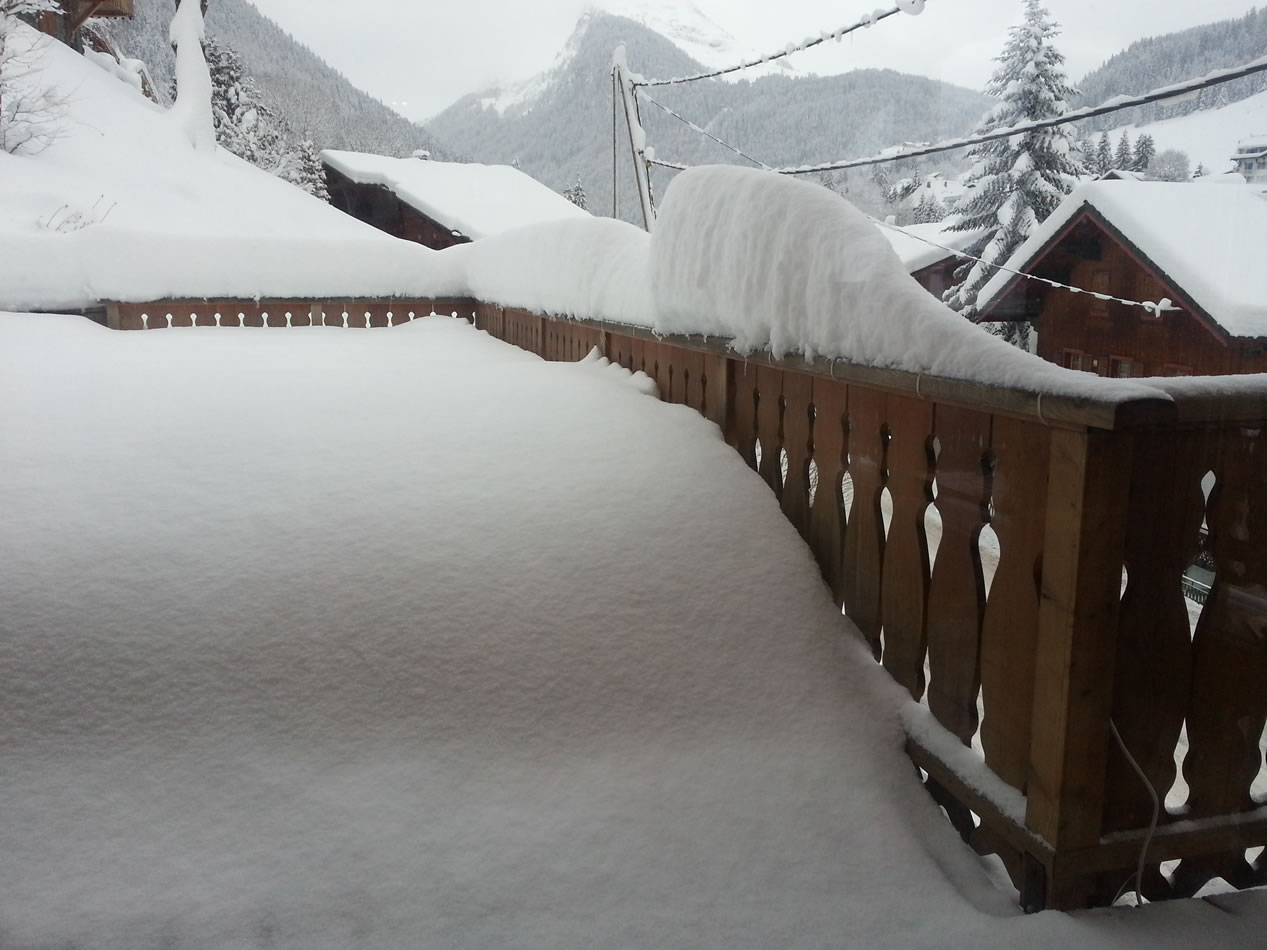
[318, 635]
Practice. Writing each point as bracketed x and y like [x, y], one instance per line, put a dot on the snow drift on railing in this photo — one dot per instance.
[790, 267]
[590, 268]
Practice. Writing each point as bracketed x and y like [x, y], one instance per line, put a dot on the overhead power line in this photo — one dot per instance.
[702, 131]
[907, 6]
[1116, 104]
[1154, 307]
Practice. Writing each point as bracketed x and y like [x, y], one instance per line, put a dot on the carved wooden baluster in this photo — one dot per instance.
[1154, 643]
[770, 426]
[742, 423]
[798, 392]
[904, 594]
[715, 389]
[864, 539]
[827, 515]
[1228, 703]
[956, 596]
[658, 363]
[692, 367]
[1009, 629]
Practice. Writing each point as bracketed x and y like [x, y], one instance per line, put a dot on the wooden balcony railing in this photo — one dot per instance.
[1082, 628]
[1029, 653]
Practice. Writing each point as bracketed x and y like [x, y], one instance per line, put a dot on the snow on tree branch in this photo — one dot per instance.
[30, 111]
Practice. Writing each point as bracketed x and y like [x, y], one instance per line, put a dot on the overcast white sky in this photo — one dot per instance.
[421, 55]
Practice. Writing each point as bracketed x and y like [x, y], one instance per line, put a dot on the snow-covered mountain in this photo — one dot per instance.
[699, 35]
[686, 26]
[559, 125]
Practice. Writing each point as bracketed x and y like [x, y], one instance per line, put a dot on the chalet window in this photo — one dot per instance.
[1120, 367]
[1100, 285]
[1077, 360]
[1176, 369]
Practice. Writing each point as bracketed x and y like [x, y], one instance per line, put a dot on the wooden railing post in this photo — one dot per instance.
[1086, 516]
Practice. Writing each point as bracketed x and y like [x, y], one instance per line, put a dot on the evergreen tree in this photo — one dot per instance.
[1124, 158]
[576, 194]
[904, 189]
[244, 125]
[1019, 180]
[1103, 163]
[929, 210]
[1145, 149]
[1200, 171]
[303, 169]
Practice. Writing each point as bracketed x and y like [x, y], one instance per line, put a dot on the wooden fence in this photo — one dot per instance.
[1081, 630]
[1036, 670]
[346, 312]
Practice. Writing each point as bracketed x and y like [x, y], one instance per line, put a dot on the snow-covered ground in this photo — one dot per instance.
[405, 638]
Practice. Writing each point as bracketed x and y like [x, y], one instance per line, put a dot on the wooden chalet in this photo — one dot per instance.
[1198, 246]
[65, 26]
[439, 204]
[929, 252]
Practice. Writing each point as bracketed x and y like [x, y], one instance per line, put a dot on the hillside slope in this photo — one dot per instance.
[1160, 60]
[315, 99]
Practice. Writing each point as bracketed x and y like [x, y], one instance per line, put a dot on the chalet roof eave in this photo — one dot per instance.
[1016, 280]
[1088, 212]
[1182, 298]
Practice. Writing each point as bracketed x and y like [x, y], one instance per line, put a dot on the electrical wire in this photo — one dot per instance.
[1116, 104]
[1152, 827]
[704, 132]
[1154, 307]
[791, 48]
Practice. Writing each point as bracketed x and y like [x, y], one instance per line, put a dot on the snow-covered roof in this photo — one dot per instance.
[912, 243]
[1209, 242]
[1254, 147]
[121, 207]
[473, 199]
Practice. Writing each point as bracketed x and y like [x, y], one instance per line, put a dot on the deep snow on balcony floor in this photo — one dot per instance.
[406, 638]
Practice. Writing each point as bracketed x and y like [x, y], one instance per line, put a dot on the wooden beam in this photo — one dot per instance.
[1183, 839]
[1018, 836]
[1087, 489]
[87, 9]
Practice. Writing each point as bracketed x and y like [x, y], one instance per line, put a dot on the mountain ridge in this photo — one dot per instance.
[565, 128]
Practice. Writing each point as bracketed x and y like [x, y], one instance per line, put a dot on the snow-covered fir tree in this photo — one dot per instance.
[1019, 180]
[303, 169]
[29, 109]
[1124, 157]
[1145, 149]
[1102, 162]
[244, 124]
[929, 210]
[576, 194]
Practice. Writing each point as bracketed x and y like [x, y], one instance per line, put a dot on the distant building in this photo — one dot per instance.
[929, 252]
[1251, 159]
[439, 204]
[65, 25]
[1200, 246]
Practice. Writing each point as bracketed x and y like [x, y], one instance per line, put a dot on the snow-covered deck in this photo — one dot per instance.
[322, 638]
